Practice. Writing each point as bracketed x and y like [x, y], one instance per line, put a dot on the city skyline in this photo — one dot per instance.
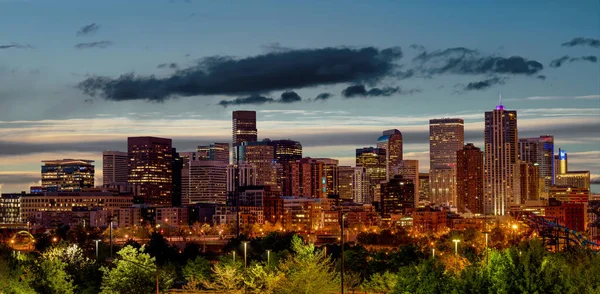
[44, 115]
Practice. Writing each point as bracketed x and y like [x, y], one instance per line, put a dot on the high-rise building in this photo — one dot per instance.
[373, 159]
[244, 129]
[446, 137]
[262, 155]
[409, 170]
[330, 176]
[246, 174]
[214, 151]
[560, 163]
[307, 178]
[115, 165]
[150, 169]
[529, 181]
[177, 170]
[539, 151]
[362, 192]
[391, 141]
[345, 179]
[469, 179]
[67, 175]
[424, 189]
[575, 179]
[397, 196]
[287, 151]
[10, 209]
[204, 181]
[501, 158]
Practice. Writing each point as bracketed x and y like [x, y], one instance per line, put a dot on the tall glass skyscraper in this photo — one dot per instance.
[244, 129]
[391, 141]
[67, 175]
[446, 137]
[501, 158]
[150, 169]
[539, 151]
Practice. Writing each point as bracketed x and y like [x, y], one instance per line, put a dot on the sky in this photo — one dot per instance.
[79, 77]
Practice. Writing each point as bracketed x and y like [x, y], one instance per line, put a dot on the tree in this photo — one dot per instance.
[262, 279]
[307, 271]
[51, 277]
[79, 268]
[134, 272]
[381, 283]
[197, 269]
[226, 276]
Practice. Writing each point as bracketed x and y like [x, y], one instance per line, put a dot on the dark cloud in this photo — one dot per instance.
[361, 91]
[323, 96]
[16, 46]
[286, 97]
[482, 85]
[263, 73]
[464, 61]
[541, 77]
[289, 97]
[98, 44]
[252, 99]
[19, 178]
[88, 29]
[582, 41]
[417, 47]
[90, 101]
[169, 65]
[590, 58]
[559, 61]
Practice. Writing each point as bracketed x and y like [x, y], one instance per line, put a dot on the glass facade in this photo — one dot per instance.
[67, 175]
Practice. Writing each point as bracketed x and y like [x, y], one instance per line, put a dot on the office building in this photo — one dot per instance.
[330, 177]
[529, 182]
[576, 179]
[67, 175]
[244, 129]
[150, 169]
[10, 209]
[560, 163]
[176, 172]
[361, 183]
[501, 156]
[287, 151]
[571, 215]
[345, 180]
[469, 179]
[391, 141]
[307, 178]
[409, 170]
[214, 152]
[204, 181]
[115, 167]
[397, 196]
[424, 188]
[446, 137]
[570, 194]
[262, 155]
[539, 152]
[246, 175]
[373, 159]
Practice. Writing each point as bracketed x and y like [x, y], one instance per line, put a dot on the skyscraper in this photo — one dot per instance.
[469, 179]
[373, 160]
[307, 178]
[345, 179]
[214, 151]
[539, 151]
[244, 129]
[362, 192]
[115, 165]
[262, 155]
[287, 151]
[67, 175]
[409, 170]
[501, 158]
[330, 177]
[391, 141]
[446, 137]
[397, 196]
[204, 181]
[424, 189]
[150, 168]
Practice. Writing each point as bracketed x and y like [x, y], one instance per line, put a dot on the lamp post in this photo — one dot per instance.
[233, 256]
[245, 252]
[268, 257]
[456, 241]
[514, 227]
[486, 247]
[111, 239]
[97, 248]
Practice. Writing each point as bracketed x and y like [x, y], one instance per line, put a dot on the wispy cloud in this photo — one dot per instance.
[538, 98]
[88, 29]
[98, 44]
[16, 46]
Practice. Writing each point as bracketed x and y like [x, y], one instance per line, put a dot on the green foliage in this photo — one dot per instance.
[380, 283]
[51, 277]
[197, 269]
[262, 279]
[226, 276]
[10, 275]
[81, 269]
[134, 272]
[307, 271]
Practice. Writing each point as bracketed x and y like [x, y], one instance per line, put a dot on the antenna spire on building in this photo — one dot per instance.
[500, 106]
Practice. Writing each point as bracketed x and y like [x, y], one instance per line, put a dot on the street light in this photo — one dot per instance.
[233, 256]
[268, 256]
[486, 247]
[456, 241]
[245, 252]
[97, 248]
